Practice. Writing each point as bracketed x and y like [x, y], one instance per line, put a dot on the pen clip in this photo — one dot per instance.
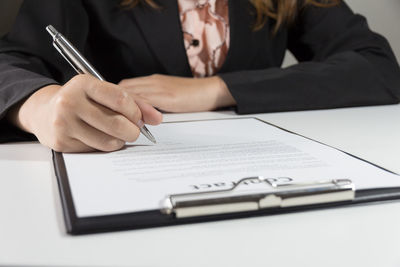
[76, 68]
[71, 54]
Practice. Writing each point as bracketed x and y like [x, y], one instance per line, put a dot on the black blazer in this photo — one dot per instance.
[343, 63]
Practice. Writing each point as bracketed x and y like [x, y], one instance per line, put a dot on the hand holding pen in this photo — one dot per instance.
[100, 115]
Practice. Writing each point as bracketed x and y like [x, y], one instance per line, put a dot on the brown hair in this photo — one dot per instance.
[283, 12]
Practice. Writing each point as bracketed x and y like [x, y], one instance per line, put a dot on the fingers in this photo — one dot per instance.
[111, 96]
[116, 98]
[139, 87]
[150, 115]
[88, 114]
[146, 90]
[96, 139]
[168, 93]
[75, 135]
[109, 122]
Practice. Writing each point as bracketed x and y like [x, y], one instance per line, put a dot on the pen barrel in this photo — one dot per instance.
[75, 59]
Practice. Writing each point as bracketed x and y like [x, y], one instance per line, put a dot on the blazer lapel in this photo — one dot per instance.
[163, 32]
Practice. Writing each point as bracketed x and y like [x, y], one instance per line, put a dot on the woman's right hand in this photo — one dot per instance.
[85, 114]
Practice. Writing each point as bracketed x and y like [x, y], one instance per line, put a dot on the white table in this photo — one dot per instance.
[32, 229]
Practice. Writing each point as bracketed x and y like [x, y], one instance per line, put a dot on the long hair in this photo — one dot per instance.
[283, 12]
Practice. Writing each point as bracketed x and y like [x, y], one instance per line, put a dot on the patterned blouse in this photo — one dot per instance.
[205, 26]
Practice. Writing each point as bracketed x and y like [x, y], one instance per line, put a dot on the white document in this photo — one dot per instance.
[206, 155]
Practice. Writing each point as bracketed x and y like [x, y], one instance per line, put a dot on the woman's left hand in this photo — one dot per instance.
[177, 94]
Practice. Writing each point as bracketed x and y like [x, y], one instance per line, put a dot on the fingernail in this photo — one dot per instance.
[140, 123]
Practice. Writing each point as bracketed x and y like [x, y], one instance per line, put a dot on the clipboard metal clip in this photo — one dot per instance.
[274, 196]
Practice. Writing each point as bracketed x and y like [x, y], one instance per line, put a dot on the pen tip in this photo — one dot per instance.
[147, 133]
[151, 138]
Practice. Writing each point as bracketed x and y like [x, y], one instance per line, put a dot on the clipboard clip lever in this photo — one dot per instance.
[274, 196]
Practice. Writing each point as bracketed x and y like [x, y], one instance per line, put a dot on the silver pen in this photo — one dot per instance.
[80, 64]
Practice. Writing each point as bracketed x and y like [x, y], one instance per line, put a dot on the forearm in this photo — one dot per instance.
[344, 80]
[17, 83]
[343, 64]
[29, 62]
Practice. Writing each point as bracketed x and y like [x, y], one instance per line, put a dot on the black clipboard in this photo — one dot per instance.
[156, 218]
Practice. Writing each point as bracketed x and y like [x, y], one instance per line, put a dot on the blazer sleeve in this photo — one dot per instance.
[28, 61]
[342, 63]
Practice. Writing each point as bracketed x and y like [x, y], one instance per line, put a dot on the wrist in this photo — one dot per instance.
[223, 96]
[26, 113]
